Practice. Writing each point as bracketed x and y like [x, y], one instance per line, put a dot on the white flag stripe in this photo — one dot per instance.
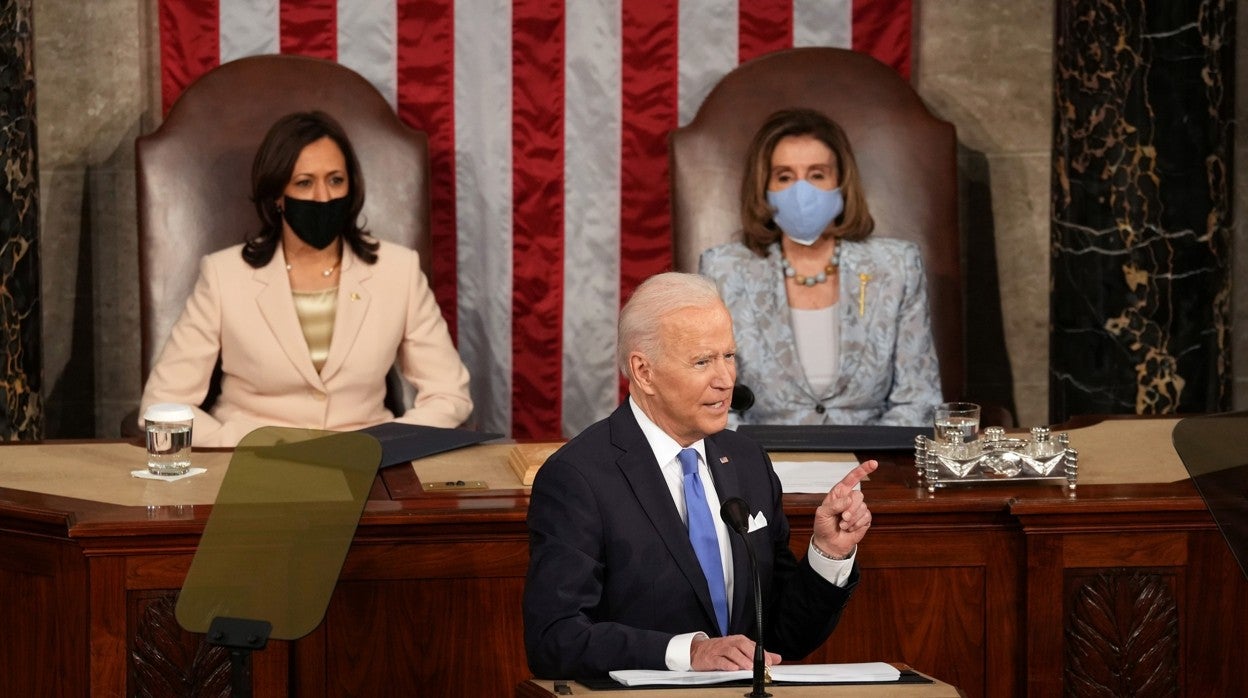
[483, 204]
[368, 43]
[591, 270]
[247, 28]
[707, 50]
[823, 23]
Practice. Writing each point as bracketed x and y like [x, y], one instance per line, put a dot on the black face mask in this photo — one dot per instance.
[318, 223]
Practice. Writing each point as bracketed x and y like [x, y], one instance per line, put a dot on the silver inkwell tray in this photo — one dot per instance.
[994, 457]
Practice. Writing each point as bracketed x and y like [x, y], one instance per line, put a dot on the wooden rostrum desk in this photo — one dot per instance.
[1000, 590]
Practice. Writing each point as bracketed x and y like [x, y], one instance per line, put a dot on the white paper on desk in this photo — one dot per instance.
[814, 477]
[146, 475]
[651, 677]
[827, 673]
[795, 673]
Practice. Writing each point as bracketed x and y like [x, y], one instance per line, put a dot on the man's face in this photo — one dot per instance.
[688, 387]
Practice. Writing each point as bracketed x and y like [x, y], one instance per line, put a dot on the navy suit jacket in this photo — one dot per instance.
[613, 577]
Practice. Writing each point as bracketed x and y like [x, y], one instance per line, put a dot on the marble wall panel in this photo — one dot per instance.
[21, 375]
[116, 291]
[1020, 210]
[1142, 176]
[68, 345]
[94, 61]
[986, 66]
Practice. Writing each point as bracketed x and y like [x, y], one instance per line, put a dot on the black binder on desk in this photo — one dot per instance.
[832, 437]
[402, 442]
[1214, 450]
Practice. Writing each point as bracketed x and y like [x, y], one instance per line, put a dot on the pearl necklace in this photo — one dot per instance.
[800, 280]
[325, 273]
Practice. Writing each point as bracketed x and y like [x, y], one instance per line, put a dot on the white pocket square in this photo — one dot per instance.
[757, 521]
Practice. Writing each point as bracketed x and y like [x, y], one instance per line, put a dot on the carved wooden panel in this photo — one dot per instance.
[166, 660]
[1122, 636]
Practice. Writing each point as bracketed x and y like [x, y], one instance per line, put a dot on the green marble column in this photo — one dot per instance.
[21, 371]
[1141, 207]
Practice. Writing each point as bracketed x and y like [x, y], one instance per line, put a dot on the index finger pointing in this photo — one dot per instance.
[856, 475]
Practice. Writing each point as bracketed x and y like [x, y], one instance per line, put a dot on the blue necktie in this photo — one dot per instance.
[702, 535]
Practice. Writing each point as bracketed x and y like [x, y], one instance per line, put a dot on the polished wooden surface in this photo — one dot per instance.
[1001, 590]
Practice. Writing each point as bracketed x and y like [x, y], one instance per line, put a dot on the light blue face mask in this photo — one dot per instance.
[803, 211]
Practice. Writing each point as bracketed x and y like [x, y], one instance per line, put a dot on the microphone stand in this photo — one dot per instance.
[735, 512]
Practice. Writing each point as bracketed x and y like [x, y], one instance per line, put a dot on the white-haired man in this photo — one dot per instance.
[630, 565]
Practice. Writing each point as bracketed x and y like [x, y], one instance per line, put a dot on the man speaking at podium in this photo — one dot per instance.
[631, 566]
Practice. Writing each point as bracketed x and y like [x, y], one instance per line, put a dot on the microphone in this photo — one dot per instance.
[736, 513]
[742, 398]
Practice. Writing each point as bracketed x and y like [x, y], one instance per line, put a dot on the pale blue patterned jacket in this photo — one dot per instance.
[888, 368]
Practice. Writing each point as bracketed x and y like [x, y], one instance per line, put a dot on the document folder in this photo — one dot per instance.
[402, 443]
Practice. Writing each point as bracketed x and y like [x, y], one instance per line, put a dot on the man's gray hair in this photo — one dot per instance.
[656, 297]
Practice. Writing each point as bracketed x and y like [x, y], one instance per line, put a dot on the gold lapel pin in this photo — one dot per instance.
[355, 296]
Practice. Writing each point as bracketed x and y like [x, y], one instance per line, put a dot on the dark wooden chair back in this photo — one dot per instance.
[194, 172]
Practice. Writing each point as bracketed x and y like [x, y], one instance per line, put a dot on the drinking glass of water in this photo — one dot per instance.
[168, 427]
[956, 423]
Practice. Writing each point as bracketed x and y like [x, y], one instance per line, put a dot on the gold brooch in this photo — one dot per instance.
[863, 278]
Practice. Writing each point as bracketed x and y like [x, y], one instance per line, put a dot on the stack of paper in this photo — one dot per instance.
[812, 477]
[794, 673]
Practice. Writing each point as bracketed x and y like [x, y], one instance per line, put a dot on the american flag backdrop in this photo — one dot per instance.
[548, 124]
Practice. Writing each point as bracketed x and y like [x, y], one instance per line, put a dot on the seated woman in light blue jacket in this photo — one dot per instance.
[832, 325]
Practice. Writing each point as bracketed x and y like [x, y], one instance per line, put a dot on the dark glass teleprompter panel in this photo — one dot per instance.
[279, 530]
[1214, 449]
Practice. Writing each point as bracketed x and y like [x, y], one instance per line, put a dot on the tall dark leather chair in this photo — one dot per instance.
[907, 156]
[194, 172]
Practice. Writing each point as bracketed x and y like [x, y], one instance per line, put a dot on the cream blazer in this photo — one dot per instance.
[386, 313]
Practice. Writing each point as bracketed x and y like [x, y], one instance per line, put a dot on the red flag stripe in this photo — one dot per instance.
[188, 45]
[537, 218]
[764, 26]
[426, 101]
[309, 28]
[882, 30]
[649, 80]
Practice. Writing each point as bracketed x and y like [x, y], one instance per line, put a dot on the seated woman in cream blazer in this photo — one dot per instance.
[832, 326]
[309, 314]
